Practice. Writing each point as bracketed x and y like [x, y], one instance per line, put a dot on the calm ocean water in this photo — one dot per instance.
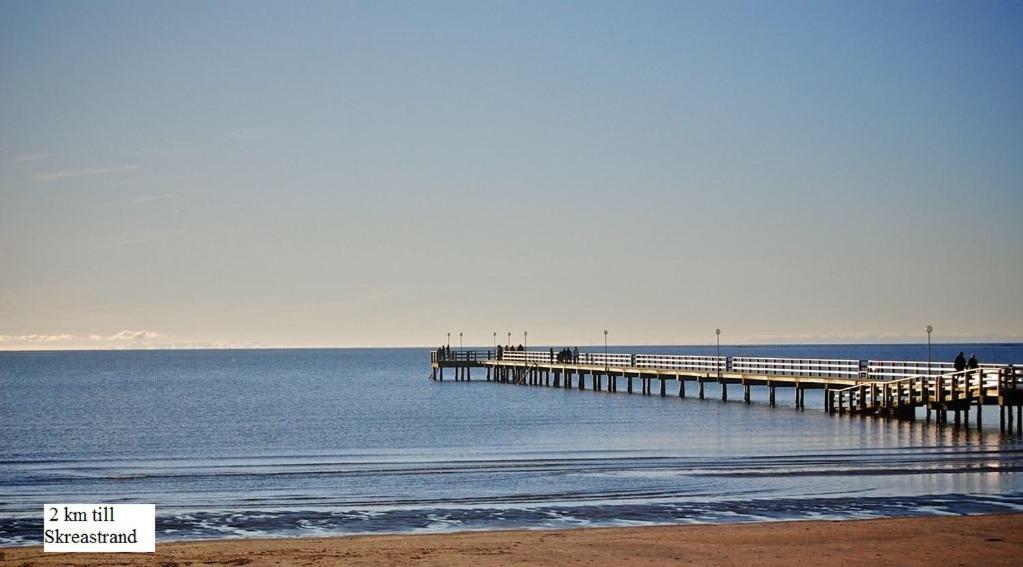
[267, 443]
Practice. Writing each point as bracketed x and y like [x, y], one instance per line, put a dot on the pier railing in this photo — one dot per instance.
[610, 359]
[868, 370]
[971, 384]
[461, 356]
[820, 367]
[896, 369]
[682, 362]
[531, 356]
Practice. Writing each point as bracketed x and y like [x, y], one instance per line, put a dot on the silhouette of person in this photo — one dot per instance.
[973, 362]
[575, 355]
[552, 354]
[960, 363]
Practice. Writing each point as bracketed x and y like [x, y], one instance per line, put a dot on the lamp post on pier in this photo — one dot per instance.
[605, 349]
[717, 340]
[495, 340]
[509, 339]
[929, 330]
[460, 347]
[525, 343]
[449, 340]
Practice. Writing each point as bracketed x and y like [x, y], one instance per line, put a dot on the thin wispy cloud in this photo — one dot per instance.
[143, 199]
[35, 338]
[133, 335]
[171, 150]
[59, 175]
[126, 339]
[246, 134]
[126, 335]
[29, 158]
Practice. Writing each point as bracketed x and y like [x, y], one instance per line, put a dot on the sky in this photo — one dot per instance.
[283, 174]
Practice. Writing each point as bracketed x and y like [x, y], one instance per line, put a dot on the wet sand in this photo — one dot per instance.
[959, 540]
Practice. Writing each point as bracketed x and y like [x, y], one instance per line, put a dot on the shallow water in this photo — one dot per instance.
[310, 442]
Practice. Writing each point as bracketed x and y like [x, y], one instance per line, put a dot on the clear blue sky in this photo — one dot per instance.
[381, 173]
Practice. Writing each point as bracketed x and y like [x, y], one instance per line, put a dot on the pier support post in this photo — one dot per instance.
[630, 384]
[664, 391]
[770, 394]
[724, 392]
[681, 387]
[745, 393]
[701, 387]
[925, 395]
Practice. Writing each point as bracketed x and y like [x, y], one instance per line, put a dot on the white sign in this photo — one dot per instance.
[99, 528]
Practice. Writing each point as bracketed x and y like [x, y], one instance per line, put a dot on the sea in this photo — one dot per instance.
[316, 442]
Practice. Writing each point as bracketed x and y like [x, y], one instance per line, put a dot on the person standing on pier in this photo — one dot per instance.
[960, 363]
[575, 355]
[973, 362]
[552, 354]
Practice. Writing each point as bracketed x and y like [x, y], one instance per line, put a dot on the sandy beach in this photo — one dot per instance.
[962, 540]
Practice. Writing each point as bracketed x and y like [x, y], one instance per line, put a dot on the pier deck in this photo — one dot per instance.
[863, 387]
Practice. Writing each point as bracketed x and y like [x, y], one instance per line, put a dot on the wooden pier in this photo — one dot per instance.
[891, 389]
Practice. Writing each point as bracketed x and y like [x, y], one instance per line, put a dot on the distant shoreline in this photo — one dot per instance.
[928, 540]
[485, 347]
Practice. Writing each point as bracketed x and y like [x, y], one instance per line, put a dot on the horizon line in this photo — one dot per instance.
[486, 347]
